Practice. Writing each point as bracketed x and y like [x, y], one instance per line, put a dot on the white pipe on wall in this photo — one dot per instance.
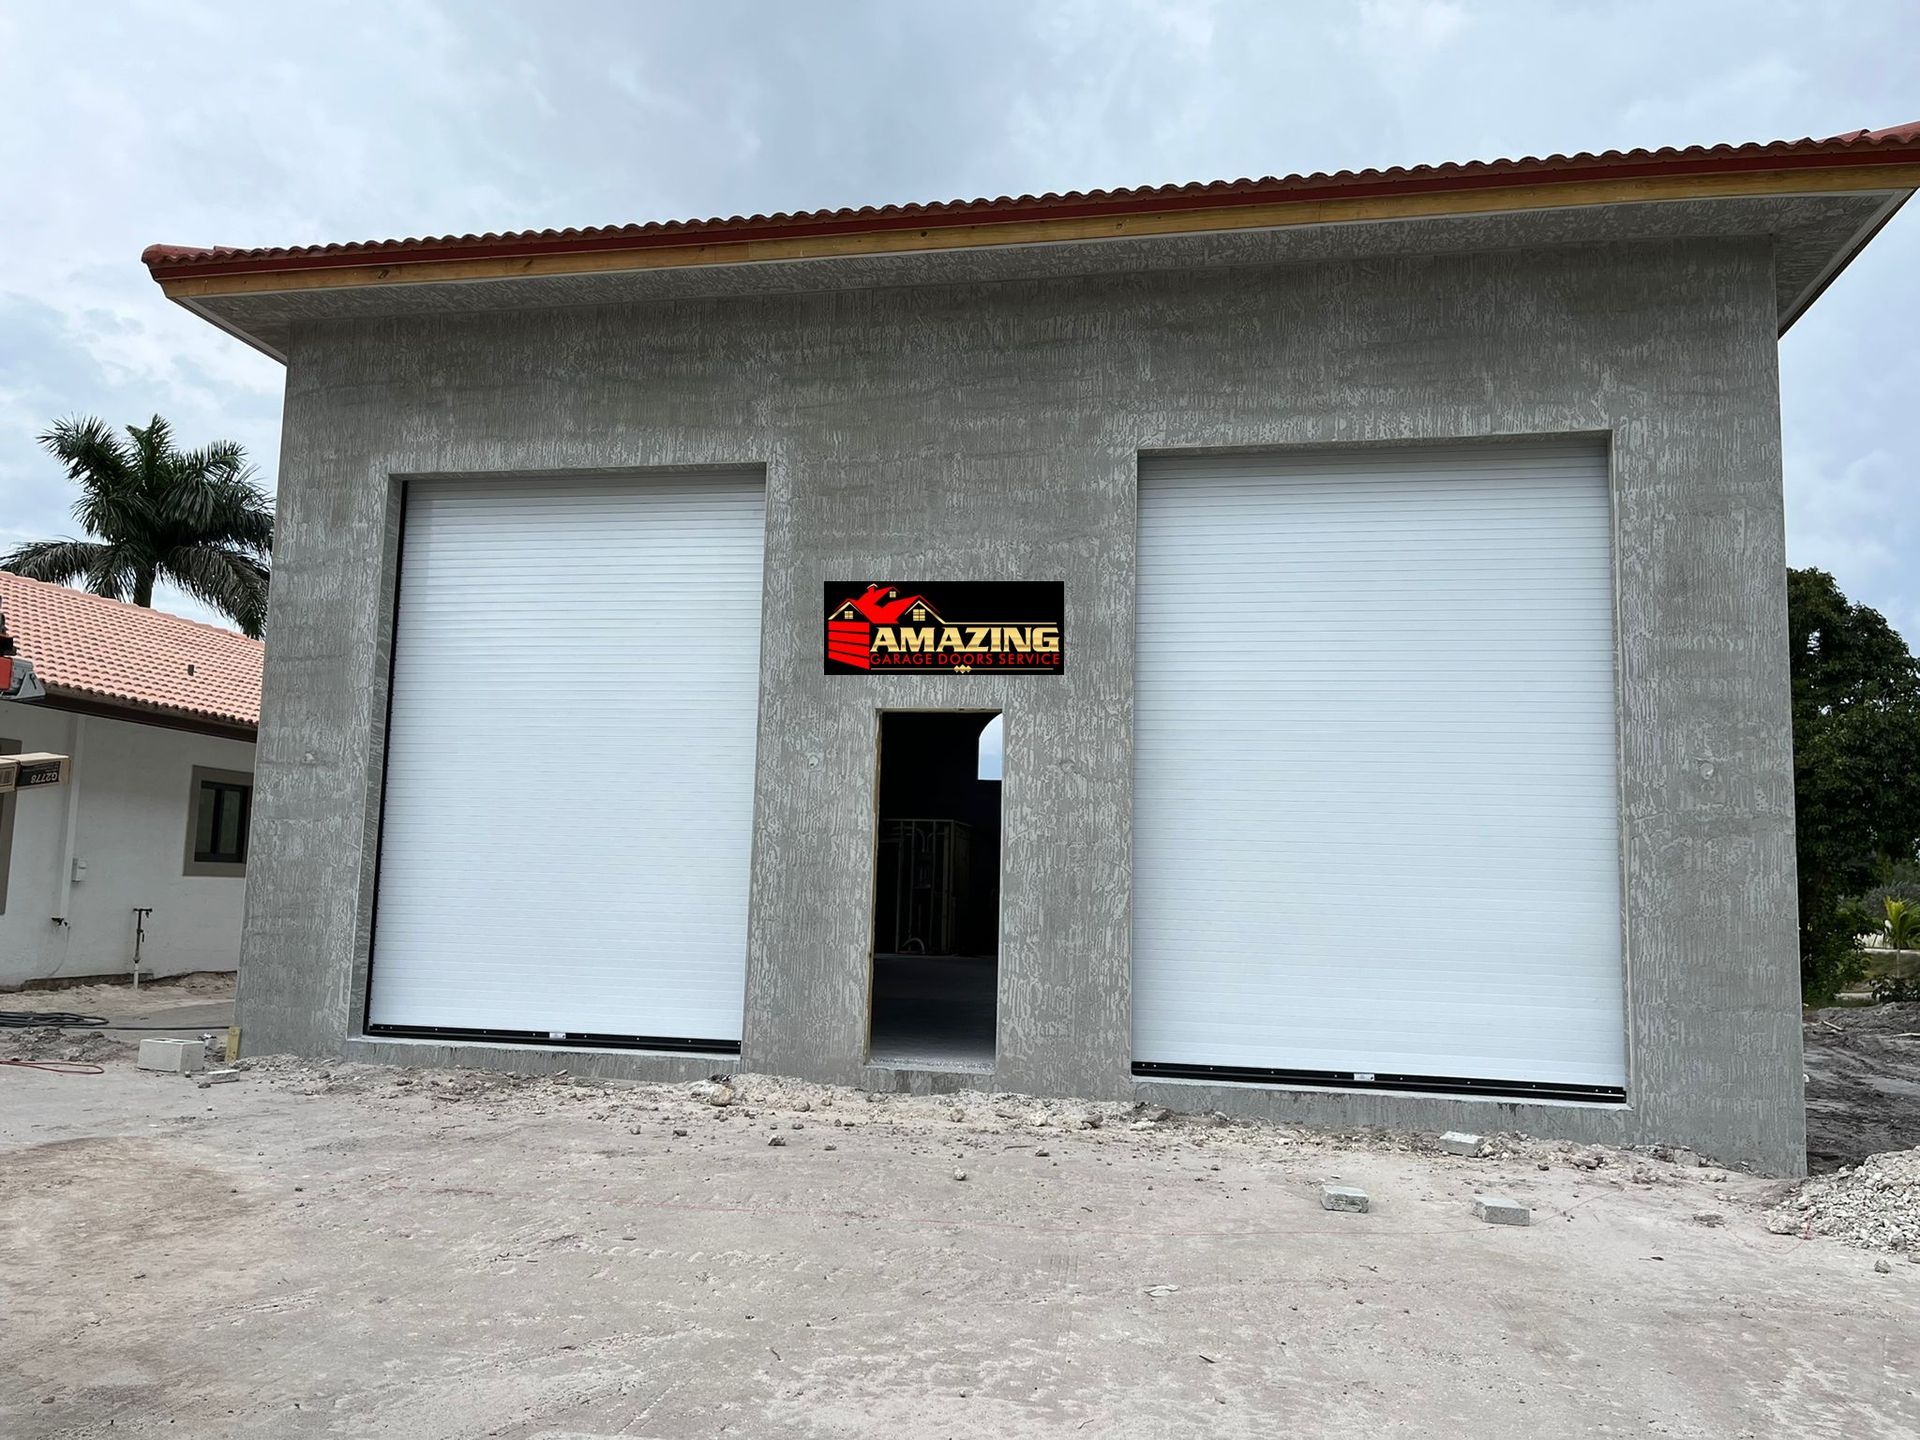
[70, 833]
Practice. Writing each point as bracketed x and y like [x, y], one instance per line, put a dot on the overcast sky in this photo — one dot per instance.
[253, 124]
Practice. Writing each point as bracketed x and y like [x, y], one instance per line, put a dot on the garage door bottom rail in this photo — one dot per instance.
[1362, 1080]
[548, 1039]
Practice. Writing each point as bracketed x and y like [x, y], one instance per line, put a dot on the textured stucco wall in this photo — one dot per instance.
[993, 432]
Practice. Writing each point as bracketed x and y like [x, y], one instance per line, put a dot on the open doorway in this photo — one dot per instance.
[936, 902]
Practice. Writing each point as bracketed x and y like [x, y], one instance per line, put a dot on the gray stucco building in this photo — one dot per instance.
[1415, 750]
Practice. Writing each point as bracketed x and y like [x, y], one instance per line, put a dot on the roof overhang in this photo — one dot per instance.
[1820, 202]
[136, 712]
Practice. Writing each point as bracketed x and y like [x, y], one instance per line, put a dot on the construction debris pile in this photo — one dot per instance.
[1875, 1205]
[66, 1047]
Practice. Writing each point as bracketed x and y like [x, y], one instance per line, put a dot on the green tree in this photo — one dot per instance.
[195, 518]
[1856, 764]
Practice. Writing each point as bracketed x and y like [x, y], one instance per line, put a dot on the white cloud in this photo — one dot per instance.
[1855, 517]
[1769, 85]
[1408, 30]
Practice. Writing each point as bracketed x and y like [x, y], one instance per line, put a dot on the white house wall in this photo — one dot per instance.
[130, 794]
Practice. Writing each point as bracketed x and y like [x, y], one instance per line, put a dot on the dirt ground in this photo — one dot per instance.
[180, 1006]
[1863, 1083]
[119, 1000]
[340, 1250]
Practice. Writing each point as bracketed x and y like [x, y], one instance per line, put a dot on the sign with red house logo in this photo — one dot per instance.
[961, 626]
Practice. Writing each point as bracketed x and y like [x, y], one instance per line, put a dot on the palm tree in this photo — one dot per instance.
[195, 518]
[1901, 928]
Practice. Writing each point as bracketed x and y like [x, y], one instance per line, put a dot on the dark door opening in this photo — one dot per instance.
[936, 902]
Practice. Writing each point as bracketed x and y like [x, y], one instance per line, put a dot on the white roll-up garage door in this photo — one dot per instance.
[1376, 826]
[566, 835]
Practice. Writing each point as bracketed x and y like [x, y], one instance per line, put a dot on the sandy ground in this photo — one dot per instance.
[355, 1251]
[119, 1000]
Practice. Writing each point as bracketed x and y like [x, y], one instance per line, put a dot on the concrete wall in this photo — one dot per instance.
[130, 800]
[993, 432]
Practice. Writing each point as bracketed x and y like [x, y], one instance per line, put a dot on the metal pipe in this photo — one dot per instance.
[70, 835]
[140, 913]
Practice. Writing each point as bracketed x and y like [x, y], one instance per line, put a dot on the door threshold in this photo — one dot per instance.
[930, 1064]
[884, 1078]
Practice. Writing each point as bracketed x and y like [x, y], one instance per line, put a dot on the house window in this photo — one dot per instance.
[219, 818]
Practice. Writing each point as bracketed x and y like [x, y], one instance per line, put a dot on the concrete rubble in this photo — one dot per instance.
[1874, 1205]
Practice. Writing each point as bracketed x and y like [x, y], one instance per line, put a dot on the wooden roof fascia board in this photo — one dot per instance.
[982, 234]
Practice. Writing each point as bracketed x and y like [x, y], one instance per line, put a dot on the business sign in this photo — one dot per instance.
[962, 626]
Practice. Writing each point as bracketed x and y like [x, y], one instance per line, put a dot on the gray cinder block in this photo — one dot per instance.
[1344, 1197]
[1499, 1210]
[177, 1057]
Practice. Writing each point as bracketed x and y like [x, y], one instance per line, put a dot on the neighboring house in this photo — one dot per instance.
[159, 716]
[1410, 542]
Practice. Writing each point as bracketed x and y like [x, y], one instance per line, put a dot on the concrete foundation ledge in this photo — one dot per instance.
[1398, 1110]
[1583, 1122]
[1580, 1122]
[583, 1061]
[1586, 1123]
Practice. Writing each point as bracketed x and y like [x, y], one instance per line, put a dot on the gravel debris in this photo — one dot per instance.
[1875, 1205]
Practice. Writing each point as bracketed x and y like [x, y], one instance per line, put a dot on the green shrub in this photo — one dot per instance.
[1890, 988]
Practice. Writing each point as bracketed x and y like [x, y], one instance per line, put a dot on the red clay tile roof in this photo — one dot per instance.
[1898, 144]
[94, 649]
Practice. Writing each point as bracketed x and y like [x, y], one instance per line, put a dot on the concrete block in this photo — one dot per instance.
[1458, 1142]
[176, 1057]
[1344, 1197]
[1499, 1210]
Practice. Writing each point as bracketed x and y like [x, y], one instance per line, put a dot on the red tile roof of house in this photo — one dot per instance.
[1897, 145]
[85, 647]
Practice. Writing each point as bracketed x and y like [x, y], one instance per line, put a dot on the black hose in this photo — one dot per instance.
[68, 1020]
[52, 1019]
